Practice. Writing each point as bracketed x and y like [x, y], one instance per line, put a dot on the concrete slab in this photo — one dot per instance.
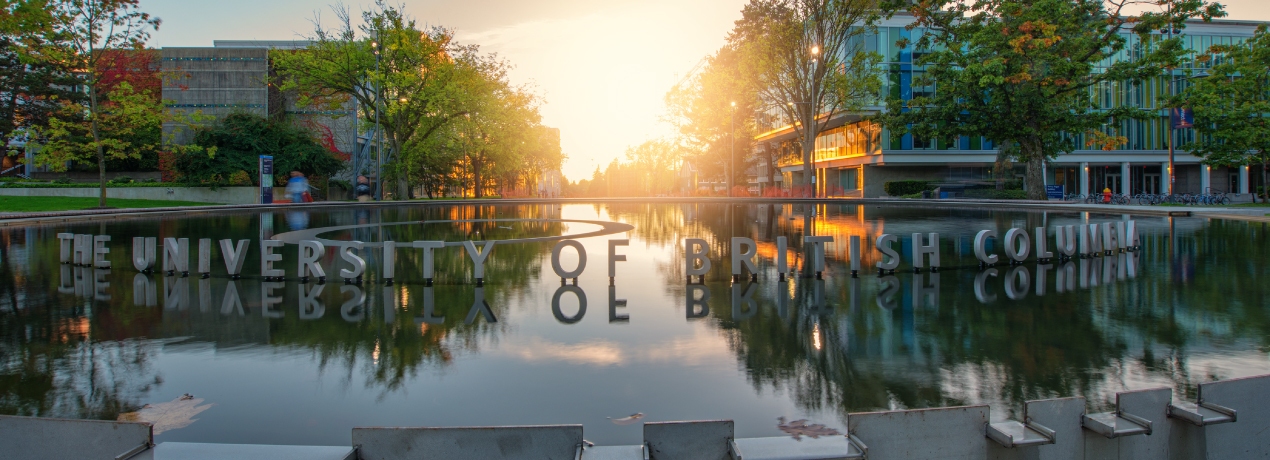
[613, 453]
[787, 448]
[23, 438]
[704, 440]
[206, 451]
[555, 442]
[946, 434]
[1249, 436]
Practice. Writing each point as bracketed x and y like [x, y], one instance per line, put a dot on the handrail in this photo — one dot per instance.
[13, 168]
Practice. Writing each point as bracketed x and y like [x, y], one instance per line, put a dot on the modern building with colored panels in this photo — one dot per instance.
[855, 157]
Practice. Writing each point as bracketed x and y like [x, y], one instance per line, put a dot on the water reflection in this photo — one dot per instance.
[1188, 307]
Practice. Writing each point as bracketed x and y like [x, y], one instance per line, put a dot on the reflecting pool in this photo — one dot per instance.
[289, 362]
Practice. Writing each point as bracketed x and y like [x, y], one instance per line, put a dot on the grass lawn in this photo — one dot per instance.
[59, 203]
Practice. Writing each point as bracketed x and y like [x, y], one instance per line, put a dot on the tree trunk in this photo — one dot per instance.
[101, 154]
[1265, 174]
[1035, 178]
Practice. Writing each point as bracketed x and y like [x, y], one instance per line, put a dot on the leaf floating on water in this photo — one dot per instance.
[627, 420]
[175, 414]
[799, 428]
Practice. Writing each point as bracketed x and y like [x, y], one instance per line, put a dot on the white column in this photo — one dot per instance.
[1205, 178]
[1125, 179]
[1084, 178]
[1243, 179]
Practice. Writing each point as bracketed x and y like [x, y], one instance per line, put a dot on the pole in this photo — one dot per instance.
[732, 151]
[379, 135]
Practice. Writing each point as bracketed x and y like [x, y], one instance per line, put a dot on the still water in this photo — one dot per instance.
[302, 363]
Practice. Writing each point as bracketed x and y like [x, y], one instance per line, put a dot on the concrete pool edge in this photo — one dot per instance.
[55, 217]
[1225, 421]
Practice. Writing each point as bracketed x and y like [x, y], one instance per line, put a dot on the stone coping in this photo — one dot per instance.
[39, 218]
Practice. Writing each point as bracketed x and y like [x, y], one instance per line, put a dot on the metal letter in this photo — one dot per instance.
[817, 251]
[981, 247]
[311, 252]
[555, 259]
[144, 253]
[67, 240]
[1017, 244]
[692, 256]
[614, 257]
[479, 257]
[205, 256]
[1065, 240]
[267, 258]
[234, 256]
[1042, 246]
[100, 250]
[390, 260]
[890, 259]
[176, 255]
[932, 248]
[358, 264]
[746, 257]
[427, 247]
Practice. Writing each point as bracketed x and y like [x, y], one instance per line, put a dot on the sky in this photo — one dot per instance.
[602, 66]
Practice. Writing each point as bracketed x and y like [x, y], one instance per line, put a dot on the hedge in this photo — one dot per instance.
[92, 185]
[994, 194]
[906, 187]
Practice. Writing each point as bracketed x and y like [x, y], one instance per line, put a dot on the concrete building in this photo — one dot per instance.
[236, 76]
[860, 156]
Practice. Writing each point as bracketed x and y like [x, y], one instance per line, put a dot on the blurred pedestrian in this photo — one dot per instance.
[362, 189]
[297, 187]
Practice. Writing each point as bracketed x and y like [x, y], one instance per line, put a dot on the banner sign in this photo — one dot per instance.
[1182, 118]
[266, 179]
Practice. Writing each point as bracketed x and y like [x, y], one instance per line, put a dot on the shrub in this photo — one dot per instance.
[993, 194]
[121, 180]
[239, 139]
[906, 187]
[63, 180]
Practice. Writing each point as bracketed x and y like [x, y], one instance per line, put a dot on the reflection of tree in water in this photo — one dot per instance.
[961, 351]
[49, 366]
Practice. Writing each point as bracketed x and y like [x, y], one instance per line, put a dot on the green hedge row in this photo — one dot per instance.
[88, 185]
[994, 194]
[906, 187]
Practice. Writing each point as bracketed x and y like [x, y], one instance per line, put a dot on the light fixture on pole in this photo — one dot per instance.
[732, 147]
[379, 136]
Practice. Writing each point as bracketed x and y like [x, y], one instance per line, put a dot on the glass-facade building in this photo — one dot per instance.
[855, 157]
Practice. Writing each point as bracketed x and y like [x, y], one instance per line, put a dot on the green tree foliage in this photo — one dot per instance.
[79, 31]
[712, 111]
[234, 145]
[32, 90]
[810, 61]
[1019, 73]
[1232, 106]
[655, 163]
[127, 126]
[417, 85]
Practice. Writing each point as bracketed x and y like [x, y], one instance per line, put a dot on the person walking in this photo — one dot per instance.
[362, 189]
[297, 186]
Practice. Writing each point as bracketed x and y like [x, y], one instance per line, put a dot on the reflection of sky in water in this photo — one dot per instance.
[1195, 312]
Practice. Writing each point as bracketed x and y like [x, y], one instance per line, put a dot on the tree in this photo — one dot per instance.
[1232, 106]
[33, 86]
[417, 86]
[1019, 73]
[125, 127]
[81, 31]
[711, 109]
[810, 60]
[503, 121]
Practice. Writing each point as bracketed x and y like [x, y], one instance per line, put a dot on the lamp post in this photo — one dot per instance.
[811, 110]
[732, 151]
[379, 135]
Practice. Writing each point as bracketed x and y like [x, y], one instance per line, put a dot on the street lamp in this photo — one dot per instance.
[379, 135]
[732, 147]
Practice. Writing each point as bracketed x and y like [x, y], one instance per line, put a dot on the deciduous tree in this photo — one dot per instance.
[1232, 105]
[1019, 73]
